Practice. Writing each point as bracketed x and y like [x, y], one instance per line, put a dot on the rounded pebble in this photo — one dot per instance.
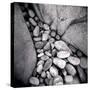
[31, 13]
[63, 54]
[83, 62]
[39, 45]
[53, 71]
[68, 79]
[39, 68]
[59, 62]
[70, 69]
[44, 57]
[34, 81]
[74, 60]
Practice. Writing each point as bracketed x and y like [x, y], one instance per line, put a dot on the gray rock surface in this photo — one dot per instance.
[24, 52]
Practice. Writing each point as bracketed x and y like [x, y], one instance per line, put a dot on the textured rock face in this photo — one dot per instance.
[61, 17]
[24, 52]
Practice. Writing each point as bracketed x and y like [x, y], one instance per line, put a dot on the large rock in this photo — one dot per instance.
[24, 52]
[77, 36]
[61, 17]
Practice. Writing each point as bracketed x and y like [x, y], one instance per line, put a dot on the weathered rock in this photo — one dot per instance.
[79, 30]
[24, 51]
[59, 62]
[74, 60]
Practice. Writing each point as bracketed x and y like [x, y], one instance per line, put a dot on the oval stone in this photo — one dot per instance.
[59, 62]
[74, 60]
[34, 81]
[63, 54]
[70, 69]
[53, 71]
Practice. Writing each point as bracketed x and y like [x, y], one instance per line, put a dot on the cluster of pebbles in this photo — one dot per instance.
[58, 62]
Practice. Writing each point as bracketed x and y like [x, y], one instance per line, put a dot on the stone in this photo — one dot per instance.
[37, 39]
[39, 45]
[61, 45]
[34, 81]
[47, 46]
[48, 53]
[46, 26]
[53, 71]
[44, 57]
[40, 62]
[31, 13]
[36, 31]
[43, 74]
[59, 62]
[81, 74]
[58, 79]
[48, 75]
[79, 53]
[68, 79]
[47, 64]
[84, 62]
[40, 54]
[74, 60]
[70, 69]
[45, 36]
[32, 21]
[53, 33]
[39, 68]
[63, 54]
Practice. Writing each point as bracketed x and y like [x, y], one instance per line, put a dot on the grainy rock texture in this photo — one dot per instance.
[24, 60]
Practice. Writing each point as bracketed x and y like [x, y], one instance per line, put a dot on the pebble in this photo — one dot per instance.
[39, 68]
[64, 72]
[83, 62]
[53, 33]
[59, 62]
[82, 74]
[46, 26]
[32, 21]
[63, 54]
[28, 24]
[74, 60]
[34, 81]
[36, 18]
[44, 57]
[43, 74]
[47, 64]
[58, 80]
[76, 80]
[54, 52]
[36, 31]
[79, 53]
[48, 53]
[51, 40]
[39, 50]
[52, 46]
[73, 49]
[47, 46]
[70, 69]
[45, 36]
[39, 45]
[57, 37]
[41, 54]
[53, 71]
[31, 13]
[48, 75]
[68, 79]
[61, 45]
[37, 39]
[40, 62]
